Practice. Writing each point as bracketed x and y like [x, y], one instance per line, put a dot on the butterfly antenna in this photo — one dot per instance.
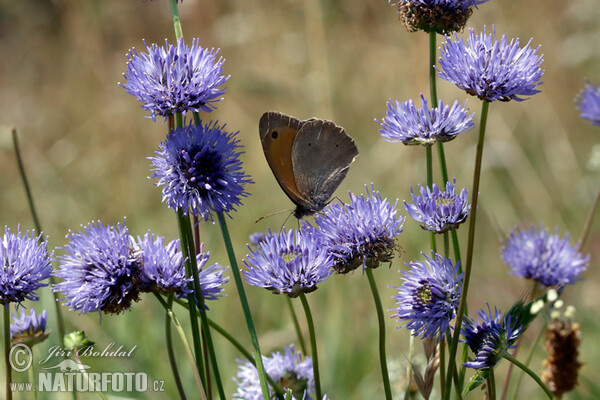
[274, 213]
[336, 198]
[286, 219]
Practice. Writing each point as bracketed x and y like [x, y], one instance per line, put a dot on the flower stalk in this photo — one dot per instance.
[313, 345]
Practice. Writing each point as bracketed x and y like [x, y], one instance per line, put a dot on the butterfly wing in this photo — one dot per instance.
[277, 134]
[321, 155]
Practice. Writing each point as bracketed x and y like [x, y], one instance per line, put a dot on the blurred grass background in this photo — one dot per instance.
[85, 143]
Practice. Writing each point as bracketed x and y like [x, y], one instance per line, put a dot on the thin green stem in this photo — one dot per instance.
[590, 219]
[92, 384]
[313, 345]
[491, 386]
[191, 298]
[528, 361]
[202, 308]
[429, 161]
[529, 372]
[186, 345]
[442, 367]
[245, 307]
[381, 321]
[60, 322]
[470, 244]
[296, 325]
[7, 352]
[170, 351]
[176, 20]
[446, 244]
[31, 376]
[409, 368]
[431, 68]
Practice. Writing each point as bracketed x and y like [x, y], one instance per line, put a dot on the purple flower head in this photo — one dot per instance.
[100, 271]
[547, 259]
[163, 269]
[491, 69]
[428, 299]
[175, 79]
[410, 125]
[289, 262]
[441, 16]
[439, 211]
[28, 329]
[24, 264]
[362, 233]
[200, 170]
[290, 370]
[588, 103]
[490, 337]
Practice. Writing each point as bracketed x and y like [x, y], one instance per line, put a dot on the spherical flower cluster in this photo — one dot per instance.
[441, 16]
[411, 125]
[28, 329]
[362, 233]
[439, 211]
[428, 299]
[24, 265]
[490, 337]
[290, 370]
[290, 262]
[175, 79]
[200, 170]
[547, 259]
[105, 269]
[491, 69]
[588, 102]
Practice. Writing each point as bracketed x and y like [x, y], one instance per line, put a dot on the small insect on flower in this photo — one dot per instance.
[28, 329]
[428, 299]
[175, 79]
[491, 69]
[290, 262]
[24, 265]
[200, 170]
[290, 370]
[588, 103]
[410, 125]
[362, 233]
[543, 257]
[440, 16]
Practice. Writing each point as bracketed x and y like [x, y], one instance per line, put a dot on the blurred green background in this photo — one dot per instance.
[85, 143]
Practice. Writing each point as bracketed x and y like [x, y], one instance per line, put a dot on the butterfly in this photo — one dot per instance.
[308, 158]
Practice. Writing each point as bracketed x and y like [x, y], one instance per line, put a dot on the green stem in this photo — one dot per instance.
[443, 367]
[7, 351]
[60, 322]
[528, 361]
[529, 372]
[170, 351]
[491, 386]
[313, 345]
[446, 244]
[470, 243]
[32, 378]
[296, 325]
[202, 308]
[85, 374]
[186, 345]
[381, 321]
[245, 307]
[431, 68]
[409, 368]
[176, 20]
[588, 224]
[191, 298]
[429, 160]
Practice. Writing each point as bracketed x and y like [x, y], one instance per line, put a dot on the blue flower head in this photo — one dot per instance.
[290, 262]
[441, 16]
[428, 299]
[100, 270]
[28, 329]
[588, 103]
[491, 69]
[200, 170]
[290, 370]
[362, 233]
[175, 79]
[547, 259]
[24, 265]
[439, 211]
[490, 337]
[410, 125]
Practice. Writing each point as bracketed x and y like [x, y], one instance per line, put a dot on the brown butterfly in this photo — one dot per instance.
[308, 158]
